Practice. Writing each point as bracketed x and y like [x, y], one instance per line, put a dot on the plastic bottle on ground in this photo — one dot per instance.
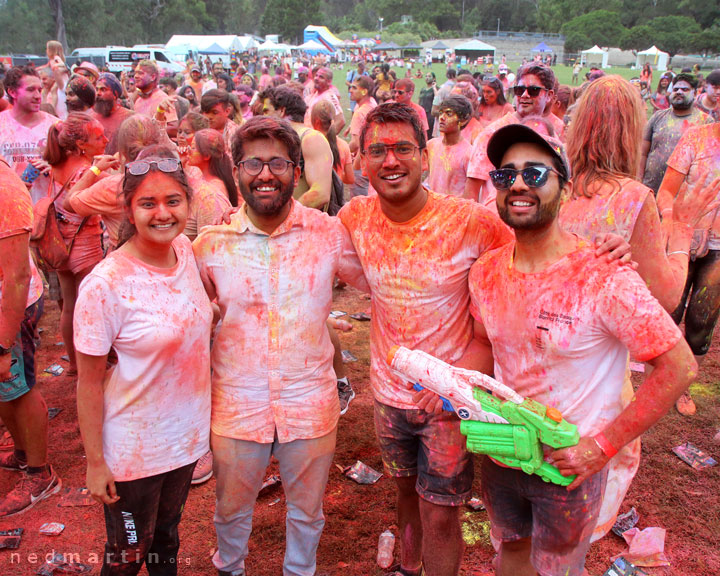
[386, 549]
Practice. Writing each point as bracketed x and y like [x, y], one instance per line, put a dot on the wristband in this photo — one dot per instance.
[604, 444]
[95, 170]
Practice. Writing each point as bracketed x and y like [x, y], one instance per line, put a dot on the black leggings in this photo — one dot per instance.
[702, 294]
[142, 527]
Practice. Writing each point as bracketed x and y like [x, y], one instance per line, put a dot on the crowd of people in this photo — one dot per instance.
[192, 230]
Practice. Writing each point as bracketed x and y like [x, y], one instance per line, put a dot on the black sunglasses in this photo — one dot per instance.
[532, 91]
[533, 176]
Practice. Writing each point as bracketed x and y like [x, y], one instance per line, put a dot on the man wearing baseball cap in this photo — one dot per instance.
[557, 323]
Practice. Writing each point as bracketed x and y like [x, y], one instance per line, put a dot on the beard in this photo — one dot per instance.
[684, 103]
[104, 107]
[544, 215]
[76, 105]
[269, 207]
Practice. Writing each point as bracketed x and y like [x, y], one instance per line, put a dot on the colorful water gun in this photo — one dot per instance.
[504, 425]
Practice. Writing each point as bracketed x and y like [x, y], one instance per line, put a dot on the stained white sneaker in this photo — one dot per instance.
[203, 469]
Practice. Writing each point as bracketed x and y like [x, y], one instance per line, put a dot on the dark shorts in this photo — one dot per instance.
[559, 522]
[429, 446]
[22, 369]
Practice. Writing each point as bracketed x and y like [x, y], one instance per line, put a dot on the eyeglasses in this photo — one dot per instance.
[402, 151]
[399, 91]
[277, 166]
[532, 91]
[533, 176]
[142, 167]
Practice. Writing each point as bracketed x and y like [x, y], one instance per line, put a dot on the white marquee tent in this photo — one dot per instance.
[653, 56]
[594, 55]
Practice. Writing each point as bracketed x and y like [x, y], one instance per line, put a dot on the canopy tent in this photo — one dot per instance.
[313, 47]
[410, 49]
[271, 47]
[439, 45]
[180, 43]
[474, 48]
[247, 42]
[653, 56]
[594, 55]
[542, 47]
[213, 49]
[385, 46]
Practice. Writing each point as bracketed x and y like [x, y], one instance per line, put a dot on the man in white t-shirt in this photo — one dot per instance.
[274, 388]
[24, 129]
[559, 323]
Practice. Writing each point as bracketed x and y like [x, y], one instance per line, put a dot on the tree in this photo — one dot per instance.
[674, 33]
[56, 7]
[637, 38]
[289, 17]
[552, 14]
[601, 27]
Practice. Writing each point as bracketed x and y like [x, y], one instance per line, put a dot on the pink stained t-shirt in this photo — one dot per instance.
[148, 105]
[156, 401]
[699, 151]
[613, 208]
[102, 198]
[448, 166]
[19, 144]
[315, 97]
[16, 217]
[417, 271]
[561, 336]
[208, 203]
[358, 118]
[272, 355]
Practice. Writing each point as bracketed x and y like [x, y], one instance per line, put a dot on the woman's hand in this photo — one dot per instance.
[101, 484]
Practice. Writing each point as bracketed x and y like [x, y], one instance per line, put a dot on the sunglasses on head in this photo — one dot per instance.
[142, 167]
[533, 176]
[532, 91]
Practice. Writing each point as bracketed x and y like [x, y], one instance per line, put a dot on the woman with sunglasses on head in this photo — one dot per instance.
[70, 149]
[603, 147]
[146, 422]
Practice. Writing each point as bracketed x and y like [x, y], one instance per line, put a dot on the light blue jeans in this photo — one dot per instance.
[240, 467]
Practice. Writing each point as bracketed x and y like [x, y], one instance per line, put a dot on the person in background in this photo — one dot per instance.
[22, 408]
[322, 120]
[108, 109]
[449, 155]
[659, 100]
[493, 105]
[426, 97]
[71, 146]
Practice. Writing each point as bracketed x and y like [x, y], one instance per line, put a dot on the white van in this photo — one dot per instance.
[119, 58]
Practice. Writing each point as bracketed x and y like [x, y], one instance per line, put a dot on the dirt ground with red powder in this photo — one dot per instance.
[667, 492]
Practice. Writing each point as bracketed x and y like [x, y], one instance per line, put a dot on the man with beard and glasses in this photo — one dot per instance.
[274, 389]
[556, 323]
[108, 110]
[665, 127]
